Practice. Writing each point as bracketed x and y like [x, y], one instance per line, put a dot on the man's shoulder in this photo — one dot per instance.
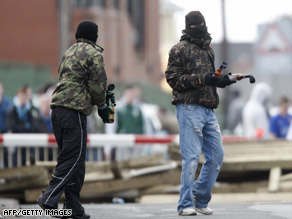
[184, 47]
[276, 118]
[87, 48]
[181, 45]
[7, 102]
[94, 49]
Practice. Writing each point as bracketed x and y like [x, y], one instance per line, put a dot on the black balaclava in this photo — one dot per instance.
[196, 25]
[87, 30]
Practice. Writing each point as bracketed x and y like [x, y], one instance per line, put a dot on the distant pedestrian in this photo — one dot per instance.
[129, 119]
[255, 113]
[19, 118]
[280, 123]
[234, 112]
[43, 120]
[5, 105]
[289, 133]
[129, 116]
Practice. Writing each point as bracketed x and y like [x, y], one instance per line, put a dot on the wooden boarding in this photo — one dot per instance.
[257, 155]
[22, 184]
[152, 170]
[22, 172]
[153, 174]
[274, 181]
[96, 189]
[38, 176]
[140, 162]
[255, 165]
[246, 156]
[251, 155]
[242, 187]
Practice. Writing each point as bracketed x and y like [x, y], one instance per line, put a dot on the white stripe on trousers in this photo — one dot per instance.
[74, 163]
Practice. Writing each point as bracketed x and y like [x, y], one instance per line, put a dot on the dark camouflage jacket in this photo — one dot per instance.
[189, 61]
[82, 78]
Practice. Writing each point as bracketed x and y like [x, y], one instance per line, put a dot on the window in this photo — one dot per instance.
[136, 14]
[88, 3]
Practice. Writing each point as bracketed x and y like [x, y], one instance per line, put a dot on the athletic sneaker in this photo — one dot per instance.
[206, 211]
[187, 212]
[78, 216]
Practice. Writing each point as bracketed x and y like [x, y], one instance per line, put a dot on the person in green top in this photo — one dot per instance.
[129, 114]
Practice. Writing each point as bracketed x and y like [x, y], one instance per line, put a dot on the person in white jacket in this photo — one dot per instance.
[289, 133]
[255, 116]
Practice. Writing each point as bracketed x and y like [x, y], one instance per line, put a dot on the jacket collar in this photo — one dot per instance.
[90, 42]
[203, 43]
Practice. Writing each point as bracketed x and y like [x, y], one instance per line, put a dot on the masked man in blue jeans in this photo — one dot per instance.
[190, 73]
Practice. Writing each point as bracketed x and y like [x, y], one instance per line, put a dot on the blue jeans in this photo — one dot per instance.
[199, 132]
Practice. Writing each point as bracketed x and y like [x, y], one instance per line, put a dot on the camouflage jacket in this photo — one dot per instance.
[82, 78]
[188, 63]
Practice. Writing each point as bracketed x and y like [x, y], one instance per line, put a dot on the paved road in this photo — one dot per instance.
[156, 211]
[221, 211]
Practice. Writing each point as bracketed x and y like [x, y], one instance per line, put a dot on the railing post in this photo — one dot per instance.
[46, 154]
[1, 157]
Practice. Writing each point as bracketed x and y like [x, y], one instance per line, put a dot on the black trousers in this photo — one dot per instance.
[70, 131]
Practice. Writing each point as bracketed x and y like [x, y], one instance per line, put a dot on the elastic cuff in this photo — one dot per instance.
[102, 107]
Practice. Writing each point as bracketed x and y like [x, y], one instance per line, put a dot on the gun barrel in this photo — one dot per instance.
[239, 76]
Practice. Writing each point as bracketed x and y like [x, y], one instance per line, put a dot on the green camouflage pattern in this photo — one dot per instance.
[187, 65]
[82, 78]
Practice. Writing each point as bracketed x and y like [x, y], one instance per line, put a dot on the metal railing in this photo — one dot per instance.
[25, 149]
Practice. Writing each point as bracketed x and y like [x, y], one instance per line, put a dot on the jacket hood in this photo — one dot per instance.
[261, 92]
[82, 40]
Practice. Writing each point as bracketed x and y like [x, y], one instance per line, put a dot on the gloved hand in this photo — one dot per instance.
[209, 79]
[104, 114]
[110, 96]
[226, 80]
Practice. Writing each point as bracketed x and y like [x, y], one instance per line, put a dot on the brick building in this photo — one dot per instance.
[38, 32]
[29, 32]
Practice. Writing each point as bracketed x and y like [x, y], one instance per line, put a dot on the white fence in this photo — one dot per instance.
[23, 149]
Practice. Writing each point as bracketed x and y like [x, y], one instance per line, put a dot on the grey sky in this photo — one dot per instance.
[242, 16]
